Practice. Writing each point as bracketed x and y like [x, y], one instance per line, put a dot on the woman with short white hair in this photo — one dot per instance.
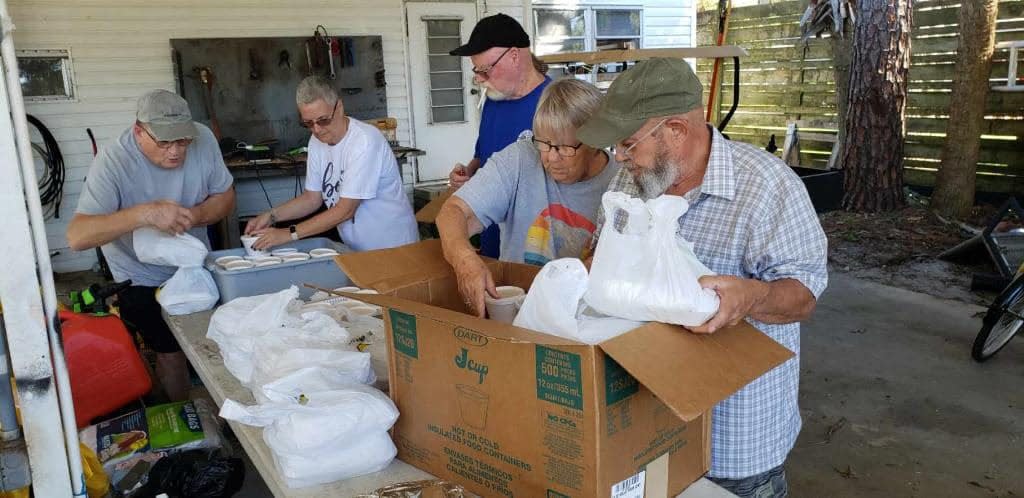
[545, 189]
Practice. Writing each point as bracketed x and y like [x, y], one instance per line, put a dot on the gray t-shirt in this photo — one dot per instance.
[541, 219]
[121, 177]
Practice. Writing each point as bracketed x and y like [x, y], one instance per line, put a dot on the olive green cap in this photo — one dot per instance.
[650, 89]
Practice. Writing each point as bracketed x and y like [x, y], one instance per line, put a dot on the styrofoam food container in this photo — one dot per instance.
[365, 309]
[348, 289]
[267, 262]
[247, 242]
[294, 256]
[223, 260]
[367, 291]
[239, 265]
[323, 252]
[284, 251]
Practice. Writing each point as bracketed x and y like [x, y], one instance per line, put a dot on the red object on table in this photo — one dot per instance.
[105, 369]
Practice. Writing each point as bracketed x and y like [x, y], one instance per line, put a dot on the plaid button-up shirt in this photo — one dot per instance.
[751, 217]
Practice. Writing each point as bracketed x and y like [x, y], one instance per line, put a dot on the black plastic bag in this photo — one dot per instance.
[195, 474]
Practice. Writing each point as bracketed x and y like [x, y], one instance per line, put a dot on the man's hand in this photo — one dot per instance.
[167, 216]
[459, 176]
[270, 237]
[474, 281]
[258, 223]
[736, 298]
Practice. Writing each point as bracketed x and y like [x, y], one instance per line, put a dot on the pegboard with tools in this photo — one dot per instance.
[244, 88]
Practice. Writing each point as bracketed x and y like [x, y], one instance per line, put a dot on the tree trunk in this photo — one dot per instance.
[872, 156]
[954, 184]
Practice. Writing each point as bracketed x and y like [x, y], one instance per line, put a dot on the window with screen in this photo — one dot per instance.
[46, 75]
[616, 29]
[587, 29]
[561, 31]
[447, 98]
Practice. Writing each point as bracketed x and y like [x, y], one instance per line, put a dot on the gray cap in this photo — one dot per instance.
[167, 115]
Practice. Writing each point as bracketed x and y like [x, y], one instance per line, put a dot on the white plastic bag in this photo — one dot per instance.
[277, 357]
[595, 328]
[554, 298]
[647, 272]
[555, 306]
[237, 325]
[320, 437]
[191, 288]
[304, 380]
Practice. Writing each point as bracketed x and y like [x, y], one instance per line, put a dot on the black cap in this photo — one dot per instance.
[498, 30]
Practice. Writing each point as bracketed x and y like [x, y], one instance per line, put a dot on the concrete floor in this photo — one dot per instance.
[889, 372]
[921, 417]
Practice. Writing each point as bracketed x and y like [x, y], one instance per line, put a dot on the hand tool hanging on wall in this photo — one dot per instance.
[284, 59]
[331, 46]
[724, 10]
[319, 40]
[206, 78]
[309, 59]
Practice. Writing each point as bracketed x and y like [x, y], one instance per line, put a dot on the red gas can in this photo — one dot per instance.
[105, 369]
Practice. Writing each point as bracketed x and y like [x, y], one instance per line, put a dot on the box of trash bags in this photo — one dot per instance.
[507, 411]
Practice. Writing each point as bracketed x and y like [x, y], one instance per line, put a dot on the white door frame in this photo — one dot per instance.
[415, 12]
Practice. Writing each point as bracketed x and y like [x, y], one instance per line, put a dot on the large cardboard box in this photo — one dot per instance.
[507, 411]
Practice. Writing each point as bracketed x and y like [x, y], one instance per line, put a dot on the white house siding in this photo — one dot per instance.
[121, 49]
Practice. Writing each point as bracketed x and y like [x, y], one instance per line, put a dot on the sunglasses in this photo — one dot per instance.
[166, 144]
[321, 122]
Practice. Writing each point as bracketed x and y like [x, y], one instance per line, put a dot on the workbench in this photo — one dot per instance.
[204, 355]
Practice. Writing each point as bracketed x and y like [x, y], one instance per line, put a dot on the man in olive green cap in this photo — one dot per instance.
[751, 221]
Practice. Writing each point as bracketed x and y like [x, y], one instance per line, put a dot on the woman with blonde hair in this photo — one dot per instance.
[545, 189]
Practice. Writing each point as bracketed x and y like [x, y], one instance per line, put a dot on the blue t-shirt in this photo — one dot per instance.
[501, 123]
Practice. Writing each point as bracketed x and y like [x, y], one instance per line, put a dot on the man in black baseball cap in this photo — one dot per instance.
[512, 80]
[498, 30]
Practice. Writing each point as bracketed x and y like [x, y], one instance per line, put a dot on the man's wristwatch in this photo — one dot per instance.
[295, 235]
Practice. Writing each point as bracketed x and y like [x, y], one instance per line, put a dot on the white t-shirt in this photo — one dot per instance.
[362, 166]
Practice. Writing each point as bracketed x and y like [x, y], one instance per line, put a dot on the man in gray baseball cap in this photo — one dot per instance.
[165, 172]
[751, 221]
[167, 116]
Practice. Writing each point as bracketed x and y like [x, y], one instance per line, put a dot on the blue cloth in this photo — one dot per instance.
[501, 123]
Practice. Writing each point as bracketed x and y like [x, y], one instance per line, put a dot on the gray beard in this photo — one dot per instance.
[657, 180]
[493, 94]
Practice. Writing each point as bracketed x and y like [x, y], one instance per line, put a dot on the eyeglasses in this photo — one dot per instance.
[166, 144]
[321, 122]
[483, 71]
[626, 151]
[562, 150]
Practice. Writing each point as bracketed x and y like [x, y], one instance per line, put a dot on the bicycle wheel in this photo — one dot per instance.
[1004, 318]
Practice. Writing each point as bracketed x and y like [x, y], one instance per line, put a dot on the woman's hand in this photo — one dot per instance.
[271, 237]
[475, 282]
[258, 223]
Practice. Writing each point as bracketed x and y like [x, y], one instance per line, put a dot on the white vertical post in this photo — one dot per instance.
[1011, 79]
[29, 300]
